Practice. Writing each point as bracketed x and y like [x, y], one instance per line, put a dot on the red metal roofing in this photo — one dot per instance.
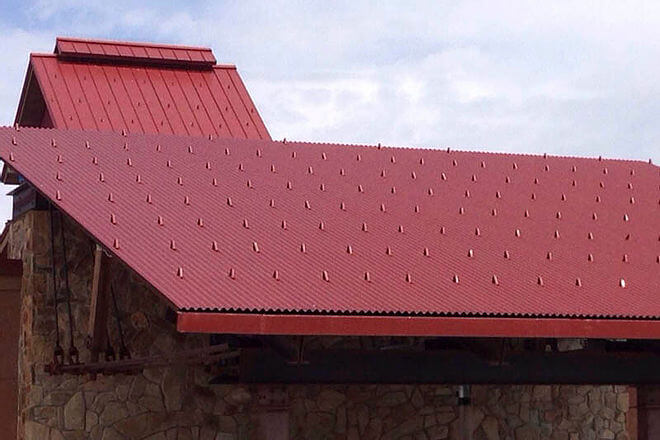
[132, 52]
[397, 325]
[260, 226]
[120, 92]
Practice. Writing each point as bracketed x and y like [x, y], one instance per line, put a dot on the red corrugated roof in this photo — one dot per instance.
[247, 226]
[142, 88]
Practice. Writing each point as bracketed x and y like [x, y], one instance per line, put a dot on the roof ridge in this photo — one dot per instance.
[134, 52]
[467, 150]
[132, 43]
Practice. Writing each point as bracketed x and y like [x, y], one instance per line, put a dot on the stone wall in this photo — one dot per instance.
[177, 403]
[430, 412]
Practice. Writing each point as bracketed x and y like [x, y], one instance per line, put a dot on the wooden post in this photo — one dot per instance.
[10, 311]
[98, 310]
[648, 412]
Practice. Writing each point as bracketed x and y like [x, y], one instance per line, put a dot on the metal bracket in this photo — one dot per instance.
[97, 336]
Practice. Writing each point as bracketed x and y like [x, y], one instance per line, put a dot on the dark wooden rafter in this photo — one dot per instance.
[210, 355]
[447, 367]
[97, 332]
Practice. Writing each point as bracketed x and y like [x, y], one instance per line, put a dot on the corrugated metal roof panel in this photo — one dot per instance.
[319, 228]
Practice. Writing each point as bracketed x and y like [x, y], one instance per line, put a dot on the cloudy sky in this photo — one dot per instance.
[572, 78]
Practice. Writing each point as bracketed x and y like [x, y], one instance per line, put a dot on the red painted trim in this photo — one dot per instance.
[265, 324]
[131, 43]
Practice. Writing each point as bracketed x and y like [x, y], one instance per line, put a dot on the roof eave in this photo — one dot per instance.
[129, 43]
[8, 176]
[369, 325]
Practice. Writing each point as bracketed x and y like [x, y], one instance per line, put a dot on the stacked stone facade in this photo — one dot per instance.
[430, 412]
[178, 403]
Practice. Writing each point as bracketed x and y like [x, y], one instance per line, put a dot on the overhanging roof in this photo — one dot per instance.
[251, 230]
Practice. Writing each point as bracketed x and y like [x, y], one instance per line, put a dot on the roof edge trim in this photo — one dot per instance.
[30, 75]
[340, 325]
[230, 66]
[24, 90]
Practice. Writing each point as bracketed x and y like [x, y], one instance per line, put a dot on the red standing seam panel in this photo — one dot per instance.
[166, 100]
[183, 94]
[208, 56]
[83, 109]
[95, 49]
[66, 46]
[167, 53]
[54, 109]
[153, 52]
[81, 48]
[215, 114]
[137, 100]
[198, 109]
[110, 49]
[139, 52]
[223, 104]
[92, 97]
[56, 81]
[162, 53]
[237, 105]
[152, 101]
[249, 104]
[110, 104]
[181, 54]
[195, 55]
[180, 102]
[123, 100]
[124, 51]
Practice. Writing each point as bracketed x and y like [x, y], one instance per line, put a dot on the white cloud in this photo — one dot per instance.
[16, 47]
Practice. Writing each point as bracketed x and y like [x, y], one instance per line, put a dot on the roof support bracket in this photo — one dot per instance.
[97, 333]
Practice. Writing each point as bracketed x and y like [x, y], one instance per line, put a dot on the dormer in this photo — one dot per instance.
[135, 88]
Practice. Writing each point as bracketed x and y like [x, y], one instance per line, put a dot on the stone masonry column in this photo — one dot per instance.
[29, 241]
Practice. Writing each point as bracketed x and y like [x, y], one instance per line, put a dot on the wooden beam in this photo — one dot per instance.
[98, 309]
[210, 355]
[447, 367]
